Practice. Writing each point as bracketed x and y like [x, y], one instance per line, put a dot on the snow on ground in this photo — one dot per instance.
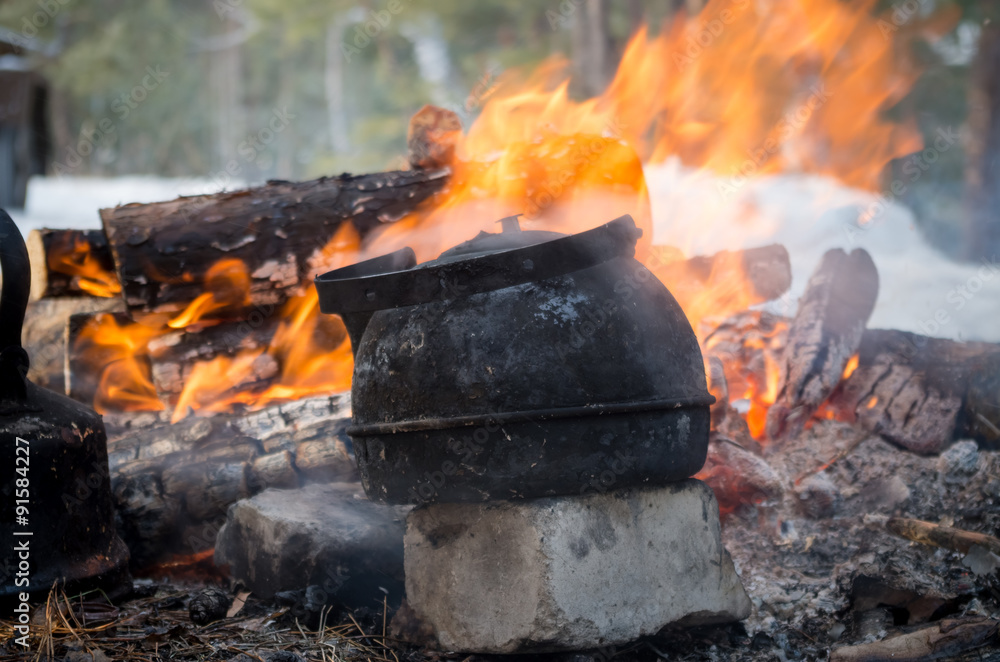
[73, 202]
[809, 215]
[921, 290]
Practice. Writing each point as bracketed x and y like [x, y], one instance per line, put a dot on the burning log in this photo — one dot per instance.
[922, 393]
[98, 352]
[173, 483]
[736, 280]
[71, 263]
[163, 251]
[44, 335]
[174, 355]
[824, 335]
[747, 346]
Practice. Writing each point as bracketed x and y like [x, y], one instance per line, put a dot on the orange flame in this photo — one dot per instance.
[743, 89]
[312, 350]
[117, 353]
[79, 262]
[747, 88]
[228, 284]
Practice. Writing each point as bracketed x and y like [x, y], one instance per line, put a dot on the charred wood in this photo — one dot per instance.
[174, 483]
[738, 476]
[432, 136]
[922, 393]
[945, 639]
[164, 250]
[824, 334]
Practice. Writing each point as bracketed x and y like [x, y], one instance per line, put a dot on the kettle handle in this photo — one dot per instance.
[16, 282]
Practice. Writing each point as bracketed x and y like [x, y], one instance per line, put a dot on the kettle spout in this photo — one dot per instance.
[343, 291]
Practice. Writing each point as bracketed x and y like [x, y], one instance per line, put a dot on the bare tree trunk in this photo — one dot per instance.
[225, 74]
[334, 82]
[592, 48]
[983, 167]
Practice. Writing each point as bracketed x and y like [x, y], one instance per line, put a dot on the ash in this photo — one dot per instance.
[823, 569]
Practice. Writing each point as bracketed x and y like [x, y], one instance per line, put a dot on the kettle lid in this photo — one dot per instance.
[489, 261]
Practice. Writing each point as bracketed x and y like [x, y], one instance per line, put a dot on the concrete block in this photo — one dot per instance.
[567, 573]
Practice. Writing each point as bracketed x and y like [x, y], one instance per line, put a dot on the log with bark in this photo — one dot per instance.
[163, 251]
[44, 335]
[71, 263]
[824, 335]
[173, 483]
[923, 393]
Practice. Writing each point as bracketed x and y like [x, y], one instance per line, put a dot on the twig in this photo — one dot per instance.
[938, 535]
[844, 452]
[70, 628]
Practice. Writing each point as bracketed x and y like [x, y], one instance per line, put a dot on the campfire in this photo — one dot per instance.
[194, 327]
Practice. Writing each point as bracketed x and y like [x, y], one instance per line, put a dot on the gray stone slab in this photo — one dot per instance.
[327, 536]
[572, 572]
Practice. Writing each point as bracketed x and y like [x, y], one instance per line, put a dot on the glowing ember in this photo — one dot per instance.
[78, 261]
[852, 365]
[199, 566]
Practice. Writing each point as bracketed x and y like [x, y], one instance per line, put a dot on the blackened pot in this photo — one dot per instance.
[57, 521]
[519, 365]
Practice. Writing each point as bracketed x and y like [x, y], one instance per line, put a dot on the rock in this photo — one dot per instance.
[330, 538]
[959, 462]
[570, 573]
[818, 497]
